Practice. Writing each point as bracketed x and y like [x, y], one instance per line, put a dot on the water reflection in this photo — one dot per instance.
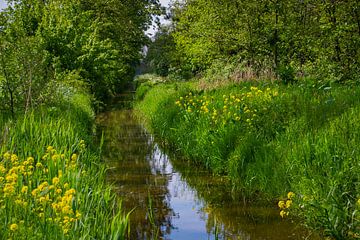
[187, 201]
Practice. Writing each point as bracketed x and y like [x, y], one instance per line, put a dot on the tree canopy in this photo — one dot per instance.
[43, 41]
[319, 38]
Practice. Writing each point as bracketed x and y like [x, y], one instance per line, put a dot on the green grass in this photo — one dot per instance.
[270, 139]
[52, 181]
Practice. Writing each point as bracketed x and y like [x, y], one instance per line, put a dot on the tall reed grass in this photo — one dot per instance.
[52, 181]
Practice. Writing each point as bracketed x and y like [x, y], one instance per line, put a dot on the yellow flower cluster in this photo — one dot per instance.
[285, 205]
[241, 107]
[38, 187]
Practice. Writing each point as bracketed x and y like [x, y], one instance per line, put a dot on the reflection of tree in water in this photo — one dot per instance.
[128, 151]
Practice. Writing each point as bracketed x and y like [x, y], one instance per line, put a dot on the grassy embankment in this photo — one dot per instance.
[51, 178]
[271, 139]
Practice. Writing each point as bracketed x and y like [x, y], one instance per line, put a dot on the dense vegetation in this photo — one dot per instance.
[60, 60]
[271, 139]
[267, 39]
[273, 102]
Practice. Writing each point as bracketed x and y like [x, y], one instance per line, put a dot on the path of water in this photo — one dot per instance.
[172, 198]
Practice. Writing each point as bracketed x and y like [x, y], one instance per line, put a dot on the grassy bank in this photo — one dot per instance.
[271, 139]
[52, 182]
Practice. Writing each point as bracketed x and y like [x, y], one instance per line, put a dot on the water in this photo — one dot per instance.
[174, 199]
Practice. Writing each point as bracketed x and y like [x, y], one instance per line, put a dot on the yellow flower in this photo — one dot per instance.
[66, 185]
[74, 157]
[35, 192]
[288, 203]
[14, 158]
[55, 180]
[14, 227]
[39, 165]
[290, 195]
[281, 205]
[30, 160]
[49, 148]
[283, 213]
[24, 189]
[7, 156]
[55, 157]
[2, 169]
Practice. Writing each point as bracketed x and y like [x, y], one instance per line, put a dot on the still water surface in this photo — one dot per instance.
[174, 199]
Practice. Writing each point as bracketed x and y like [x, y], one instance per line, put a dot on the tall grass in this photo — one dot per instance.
[52, 182]
[271, 139]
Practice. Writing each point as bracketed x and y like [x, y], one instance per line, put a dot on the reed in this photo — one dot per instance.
[52, 180]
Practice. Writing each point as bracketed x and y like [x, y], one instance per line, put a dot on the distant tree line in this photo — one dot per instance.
[317, 38]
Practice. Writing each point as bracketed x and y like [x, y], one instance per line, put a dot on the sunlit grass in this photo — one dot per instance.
[52, 181]
[270, 139]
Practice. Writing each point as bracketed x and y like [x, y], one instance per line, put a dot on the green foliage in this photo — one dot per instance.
[67, 128]
[316, 38]
[41, 40]
[270, 139]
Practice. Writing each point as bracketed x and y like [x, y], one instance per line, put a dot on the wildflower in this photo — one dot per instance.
[55, 180]
[2, 169]
[14, 158]
[35, 192]
[283, 213]
[281, 205]
[74, 157]
[55, 157]
[7, 156]
[49, 148]
[288, 203]
[24, 189]
[291, 195]
[14, 227]
[30, 160]
[39, 165]
[66, 185]
[82, 144]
